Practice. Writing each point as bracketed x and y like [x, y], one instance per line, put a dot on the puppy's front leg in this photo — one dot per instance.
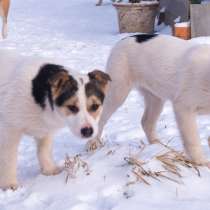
[153, 108]
[186, 121]
[4, 28]
[9, 141]
[44, 153]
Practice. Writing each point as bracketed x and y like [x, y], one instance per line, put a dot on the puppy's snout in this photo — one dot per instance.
[87, 132]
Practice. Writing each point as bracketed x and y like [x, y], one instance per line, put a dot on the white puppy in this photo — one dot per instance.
[38, 98]
[162, 68]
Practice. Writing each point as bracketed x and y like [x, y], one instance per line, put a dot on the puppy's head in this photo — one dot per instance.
[77, 99]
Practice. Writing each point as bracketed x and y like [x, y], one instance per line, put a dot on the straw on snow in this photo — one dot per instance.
[73, 164]
[171, 162]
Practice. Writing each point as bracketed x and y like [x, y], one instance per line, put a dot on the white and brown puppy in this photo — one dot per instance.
[4, 10]
[162, 68]
[37, 99]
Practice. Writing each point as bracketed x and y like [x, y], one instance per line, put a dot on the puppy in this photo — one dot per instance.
[39, 97]
[162, 68]
[4, 9]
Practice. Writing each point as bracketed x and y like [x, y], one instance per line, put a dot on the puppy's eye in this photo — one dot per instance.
[94, 107]
[73, 109]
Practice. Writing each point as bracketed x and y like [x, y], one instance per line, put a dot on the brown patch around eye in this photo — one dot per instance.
[94, 106]
[71, 106]
[93, 89]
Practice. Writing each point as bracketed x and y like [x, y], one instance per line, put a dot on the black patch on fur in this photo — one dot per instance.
[93, 88]
[140, 38]
[41, 87]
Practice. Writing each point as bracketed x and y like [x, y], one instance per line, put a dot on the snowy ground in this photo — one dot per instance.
[82, 35]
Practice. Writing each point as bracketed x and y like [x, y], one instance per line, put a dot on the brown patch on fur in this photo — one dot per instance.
[65, 111]
[58, 82]
[92, 100]
[73, 101]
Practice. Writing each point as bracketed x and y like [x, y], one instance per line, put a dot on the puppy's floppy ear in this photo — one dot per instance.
[50, 81]
[58, 81]
[101, 77]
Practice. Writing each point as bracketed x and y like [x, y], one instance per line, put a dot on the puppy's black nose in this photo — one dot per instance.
[87, 132]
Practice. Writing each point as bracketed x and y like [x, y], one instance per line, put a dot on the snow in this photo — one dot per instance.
[82, 35]
[182, 25]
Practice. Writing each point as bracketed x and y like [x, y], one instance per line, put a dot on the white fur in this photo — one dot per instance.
[19, 114]
[162, 68]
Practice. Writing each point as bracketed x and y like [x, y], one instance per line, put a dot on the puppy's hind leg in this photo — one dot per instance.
[44, 153]
[186, 121]
[153, 108]
[9, 141]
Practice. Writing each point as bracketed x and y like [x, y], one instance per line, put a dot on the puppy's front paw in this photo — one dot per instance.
[50, 171]
[93, 145]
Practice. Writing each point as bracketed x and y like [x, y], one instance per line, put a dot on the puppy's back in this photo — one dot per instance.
[9, 62]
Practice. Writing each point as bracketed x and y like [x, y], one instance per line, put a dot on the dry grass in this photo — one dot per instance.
[171, 161]
[73, 164]
[110, 152]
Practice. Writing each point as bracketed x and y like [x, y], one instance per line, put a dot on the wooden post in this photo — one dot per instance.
[200, 20]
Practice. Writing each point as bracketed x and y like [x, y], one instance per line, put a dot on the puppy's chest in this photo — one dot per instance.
[42, 126]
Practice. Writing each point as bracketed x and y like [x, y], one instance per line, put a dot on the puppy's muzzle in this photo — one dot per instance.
[87, 132]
